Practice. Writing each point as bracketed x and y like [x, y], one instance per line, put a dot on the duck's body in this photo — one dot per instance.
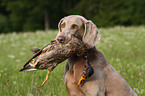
[53, 54]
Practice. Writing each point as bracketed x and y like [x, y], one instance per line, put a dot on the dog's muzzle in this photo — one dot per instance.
[61, 39]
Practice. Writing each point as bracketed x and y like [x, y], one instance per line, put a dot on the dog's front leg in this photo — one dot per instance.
[66, 68]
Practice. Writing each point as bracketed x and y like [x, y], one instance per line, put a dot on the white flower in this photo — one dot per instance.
[14, 82]
[5, 69]
[126, 43]
[18, 60]
[132, 76]
[110, 45]
[30, 95]
[117, 59]
[142, 90]
[11, 56]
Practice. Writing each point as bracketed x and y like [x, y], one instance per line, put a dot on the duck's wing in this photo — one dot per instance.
[35, 55]
[39, 52]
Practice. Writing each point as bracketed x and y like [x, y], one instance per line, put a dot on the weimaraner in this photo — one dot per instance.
[105, 81]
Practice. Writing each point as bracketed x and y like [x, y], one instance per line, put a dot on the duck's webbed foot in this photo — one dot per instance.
[45, 79]
[87, 72]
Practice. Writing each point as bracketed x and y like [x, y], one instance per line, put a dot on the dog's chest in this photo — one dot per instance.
[76, 68]
[72, 78]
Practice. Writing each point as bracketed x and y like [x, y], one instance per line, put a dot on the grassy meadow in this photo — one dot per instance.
[124, 48]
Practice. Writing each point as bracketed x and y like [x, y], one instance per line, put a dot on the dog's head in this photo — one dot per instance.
[80, 27]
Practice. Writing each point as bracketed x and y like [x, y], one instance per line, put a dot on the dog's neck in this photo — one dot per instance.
[93, 56]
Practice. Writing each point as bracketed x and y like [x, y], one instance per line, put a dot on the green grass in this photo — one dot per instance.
[122, 46]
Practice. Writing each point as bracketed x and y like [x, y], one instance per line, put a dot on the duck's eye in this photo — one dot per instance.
[74, 26]
[62, 25]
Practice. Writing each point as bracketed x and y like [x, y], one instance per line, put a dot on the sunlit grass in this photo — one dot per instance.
[122, 46]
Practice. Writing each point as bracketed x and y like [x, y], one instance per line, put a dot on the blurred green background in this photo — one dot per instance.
[123, 48]
[27, 24]
[31, 15]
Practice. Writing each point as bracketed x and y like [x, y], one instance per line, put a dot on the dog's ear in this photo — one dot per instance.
[59, 24]
[91, 34]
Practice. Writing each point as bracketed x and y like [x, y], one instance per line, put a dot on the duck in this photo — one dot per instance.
[54, 53]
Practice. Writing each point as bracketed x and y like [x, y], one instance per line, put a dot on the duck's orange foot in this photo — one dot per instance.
[45, 79]
[81, 80]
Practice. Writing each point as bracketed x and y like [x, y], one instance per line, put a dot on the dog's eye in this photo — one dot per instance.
[74, 26]
[62, 25]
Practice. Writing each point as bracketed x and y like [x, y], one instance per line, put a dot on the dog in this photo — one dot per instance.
[105, 81]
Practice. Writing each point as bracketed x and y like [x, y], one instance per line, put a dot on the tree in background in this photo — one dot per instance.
[106, 13]
[31, 15]
[5, 24]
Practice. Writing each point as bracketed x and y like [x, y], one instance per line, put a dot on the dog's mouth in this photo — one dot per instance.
[65, 40]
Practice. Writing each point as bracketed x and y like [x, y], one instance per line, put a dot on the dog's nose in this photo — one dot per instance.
[61, 39]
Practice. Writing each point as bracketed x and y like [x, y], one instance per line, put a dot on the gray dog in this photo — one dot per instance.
[105, 81]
